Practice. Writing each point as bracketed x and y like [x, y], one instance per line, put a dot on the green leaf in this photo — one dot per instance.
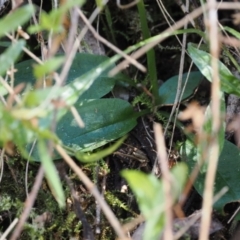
[99, 154]
[84, 71]
[229, 83]
[13, 129]
[10, 56]
[149, 192]
[15, 19]
[48, 66]
[5, 43]
[110, 121]
[227, 174]
[16, 126]
[51, 173]
[232, 31]
[105, 120]
[100, 3]
[81, 73]
[7, 58]
[150, 195]
[168, 90]
[53, 21]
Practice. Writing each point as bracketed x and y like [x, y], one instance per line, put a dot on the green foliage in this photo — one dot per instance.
[10, 56]
[227, 172]
[114, 201]
[102, 124]
[228, 160]
[82, 64]
[143, 99]
[229, 83]
[51, 173]
[97, 113]
[99, 154]
[105, 119]
[53, 21]
[6, 202]
[17, 18]
[69, 222]
[168, 89]
[152, 68]
[47, 67]
[150, 195]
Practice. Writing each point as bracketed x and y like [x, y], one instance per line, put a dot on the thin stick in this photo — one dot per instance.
[9, 229]
[10, 90]
[213, 150]
[77, 117]
[110, 45]
[2, 152]
[28, 204]
[126, 6]
[166, 179]
[195, 218]
[72, 30]
[27, 166]
[179, 86]
[127, 227]
[30, 54]
[93, 189]
[71, 54]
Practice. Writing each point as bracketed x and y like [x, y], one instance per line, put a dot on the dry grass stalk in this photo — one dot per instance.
[166, 179]
[212, 25]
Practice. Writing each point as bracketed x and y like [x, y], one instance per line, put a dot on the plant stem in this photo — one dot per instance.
[151, 61]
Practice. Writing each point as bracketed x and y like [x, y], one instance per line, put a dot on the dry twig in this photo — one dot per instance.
[166, 179]
[213, 150]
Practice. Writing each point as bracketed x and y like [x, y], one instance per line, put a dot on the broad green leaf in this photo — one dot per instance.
[47, 67]
[227, 172]
[70, 93]
[229, 83]
[15, 19]
[168, 90]
[51, 173]
[150, 195]
[105, 120]
[82, 71]
[5, 43]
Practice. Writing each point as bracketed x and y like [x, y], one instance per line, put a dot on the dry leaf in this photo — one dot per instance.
[195, 112]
